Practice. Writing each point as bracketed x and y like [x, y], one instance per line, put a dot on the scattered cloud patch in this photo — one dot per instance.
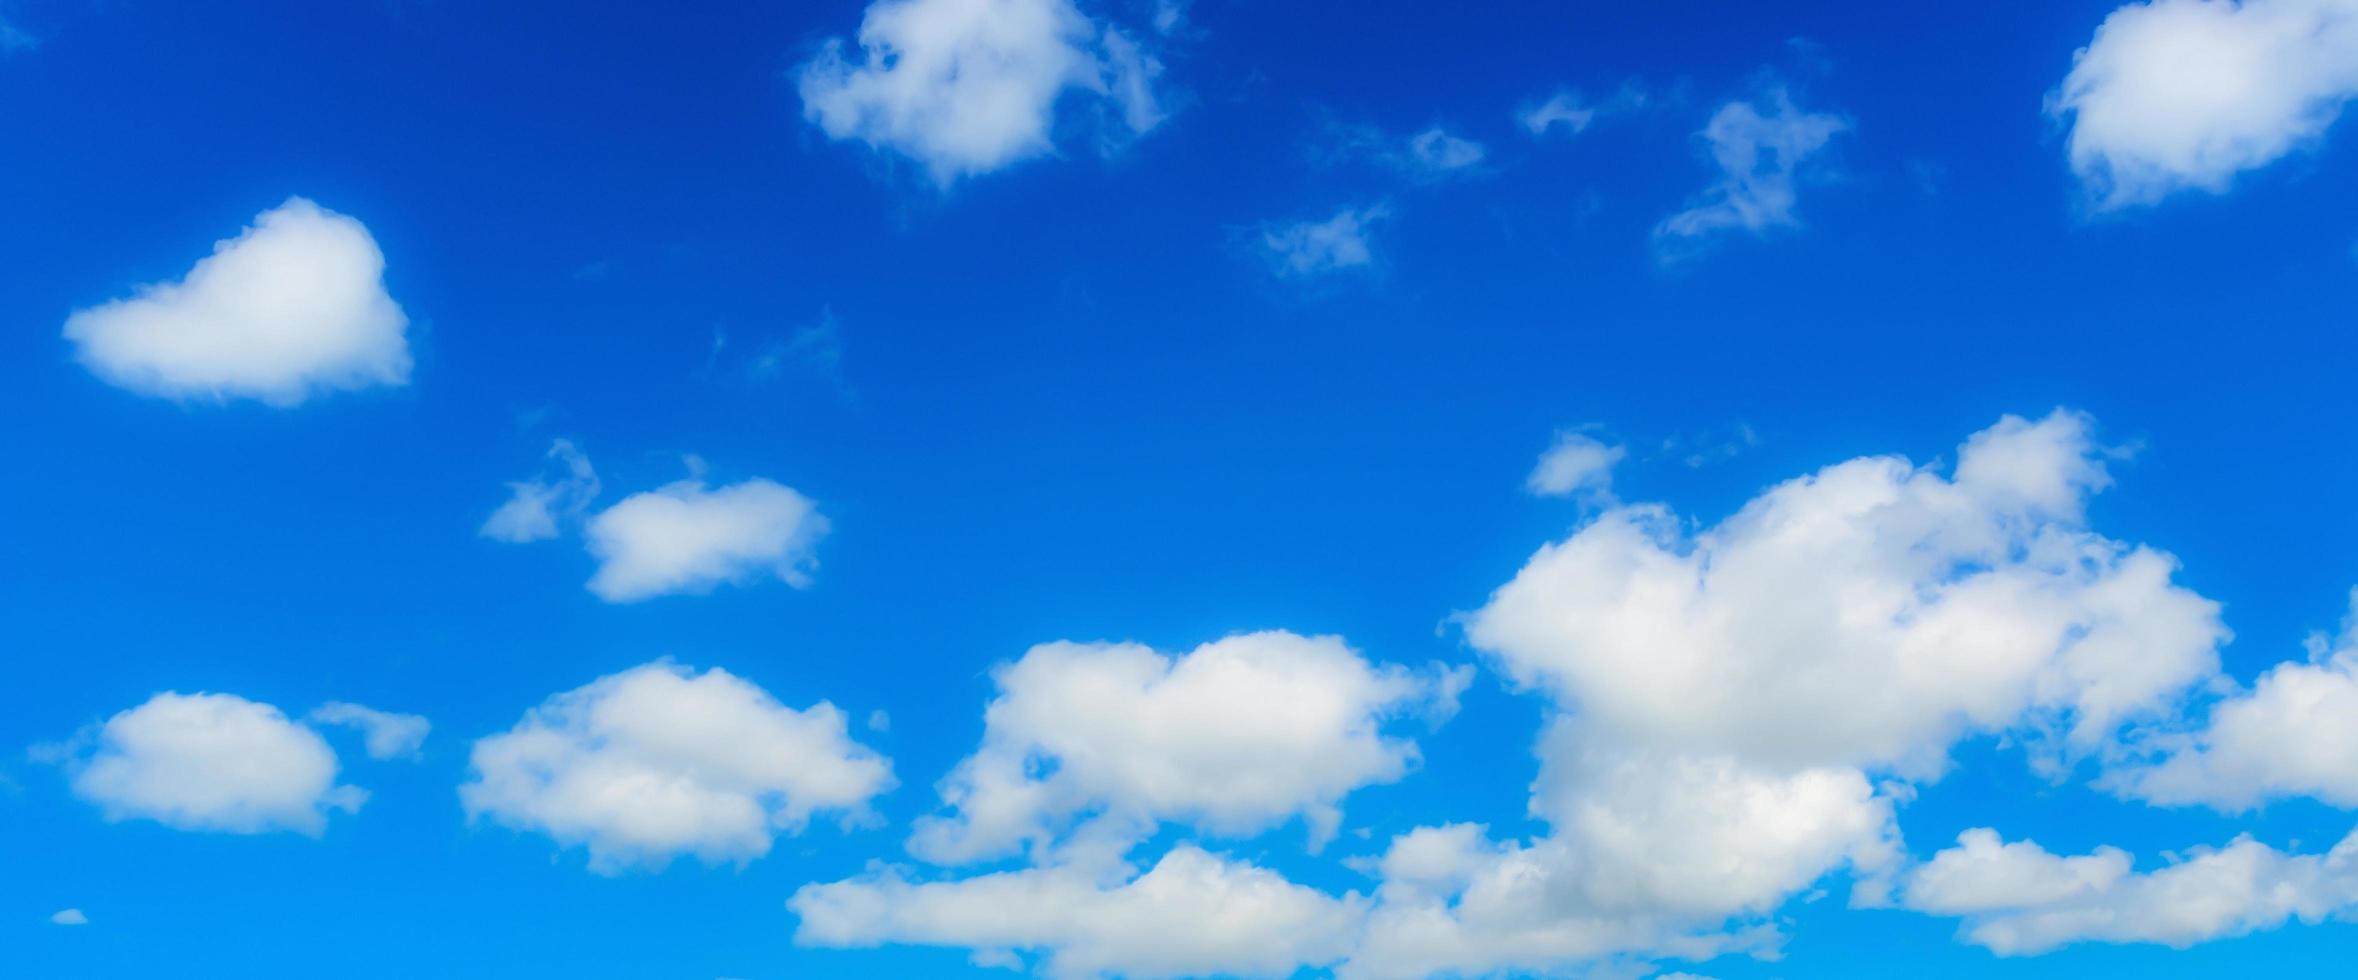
[536, 507]
[966, 87]
[292, 307]
[2179, 95]
[659, 761]
[2294, 733]
[208, 762]
[1437, 151]
[69, 917]
[385, 734]
[1192, 914]
[1576, 464]
[685, 537]
[1574, 113]
[1235, 736]
[2019, 899]
[1760, 148]
[1315, 248]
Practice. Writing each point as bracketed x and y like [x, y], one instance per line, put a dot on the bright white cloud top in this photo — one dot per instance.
[658, 762]
[966, 87]
[1235, 736]
[210, 762]
[2180, 95]
[1760, 148]
[292, 307]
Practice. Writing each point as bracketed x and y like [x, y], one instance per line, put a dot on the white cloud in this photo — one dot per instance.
[535, 507]
[687, 537]
[1437, 151]
[1236, 736]
[1866, 616]
[2186, 94]
[69, 917]
[214, 762]
[965, 87]
[657, 761]
[1760, 149]
[1576, 464]
[2019, 899]
[292, 307]
[1573, 112]
[1193, 914]
[2295, 733]
[387, 735]
[1649, 854]
[1309, 248]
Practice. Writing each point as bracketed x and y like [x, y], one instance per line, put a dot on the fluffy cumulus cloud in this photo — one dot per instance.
[1311, 248]
[689, 537]
[2017, 898]
[1735, 711]
[1867, 615]
[683, 537]
[2186, 94]
[1576, 464]
[1235, 737]
[214, 762]
[1192, 914]
[1089, 749]
[965, 87]
[292, 307]
[2294, 733]
[385, 734]
[1760, 148]
[658, 761]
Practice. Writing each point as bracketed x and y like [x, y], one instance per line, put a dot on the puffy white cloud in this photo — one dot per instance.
[535, 507]
[1867, 615]
[1193, 914]
[386, 735]
[1576, 463]
[2020, 899]
[1309, 248]
[1760, 148]
[965, 87]
[658, 761]
[292, 307]
[2295, 733]
[687, 537]
[2186, 94]
[215, 762]
[1648, 855]
[1236, 736]
[69, 917]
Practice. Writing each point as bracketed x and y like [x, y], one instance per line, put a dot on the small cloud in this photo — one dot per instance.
[69, 917]
[536, 507]
[1573, 111]
[386, 735]
[1760, 147]
[1311, 248]
[1577, 464]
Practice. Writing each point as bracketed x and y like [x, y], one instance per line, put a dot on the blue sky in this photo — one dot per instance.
[1135, 504]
